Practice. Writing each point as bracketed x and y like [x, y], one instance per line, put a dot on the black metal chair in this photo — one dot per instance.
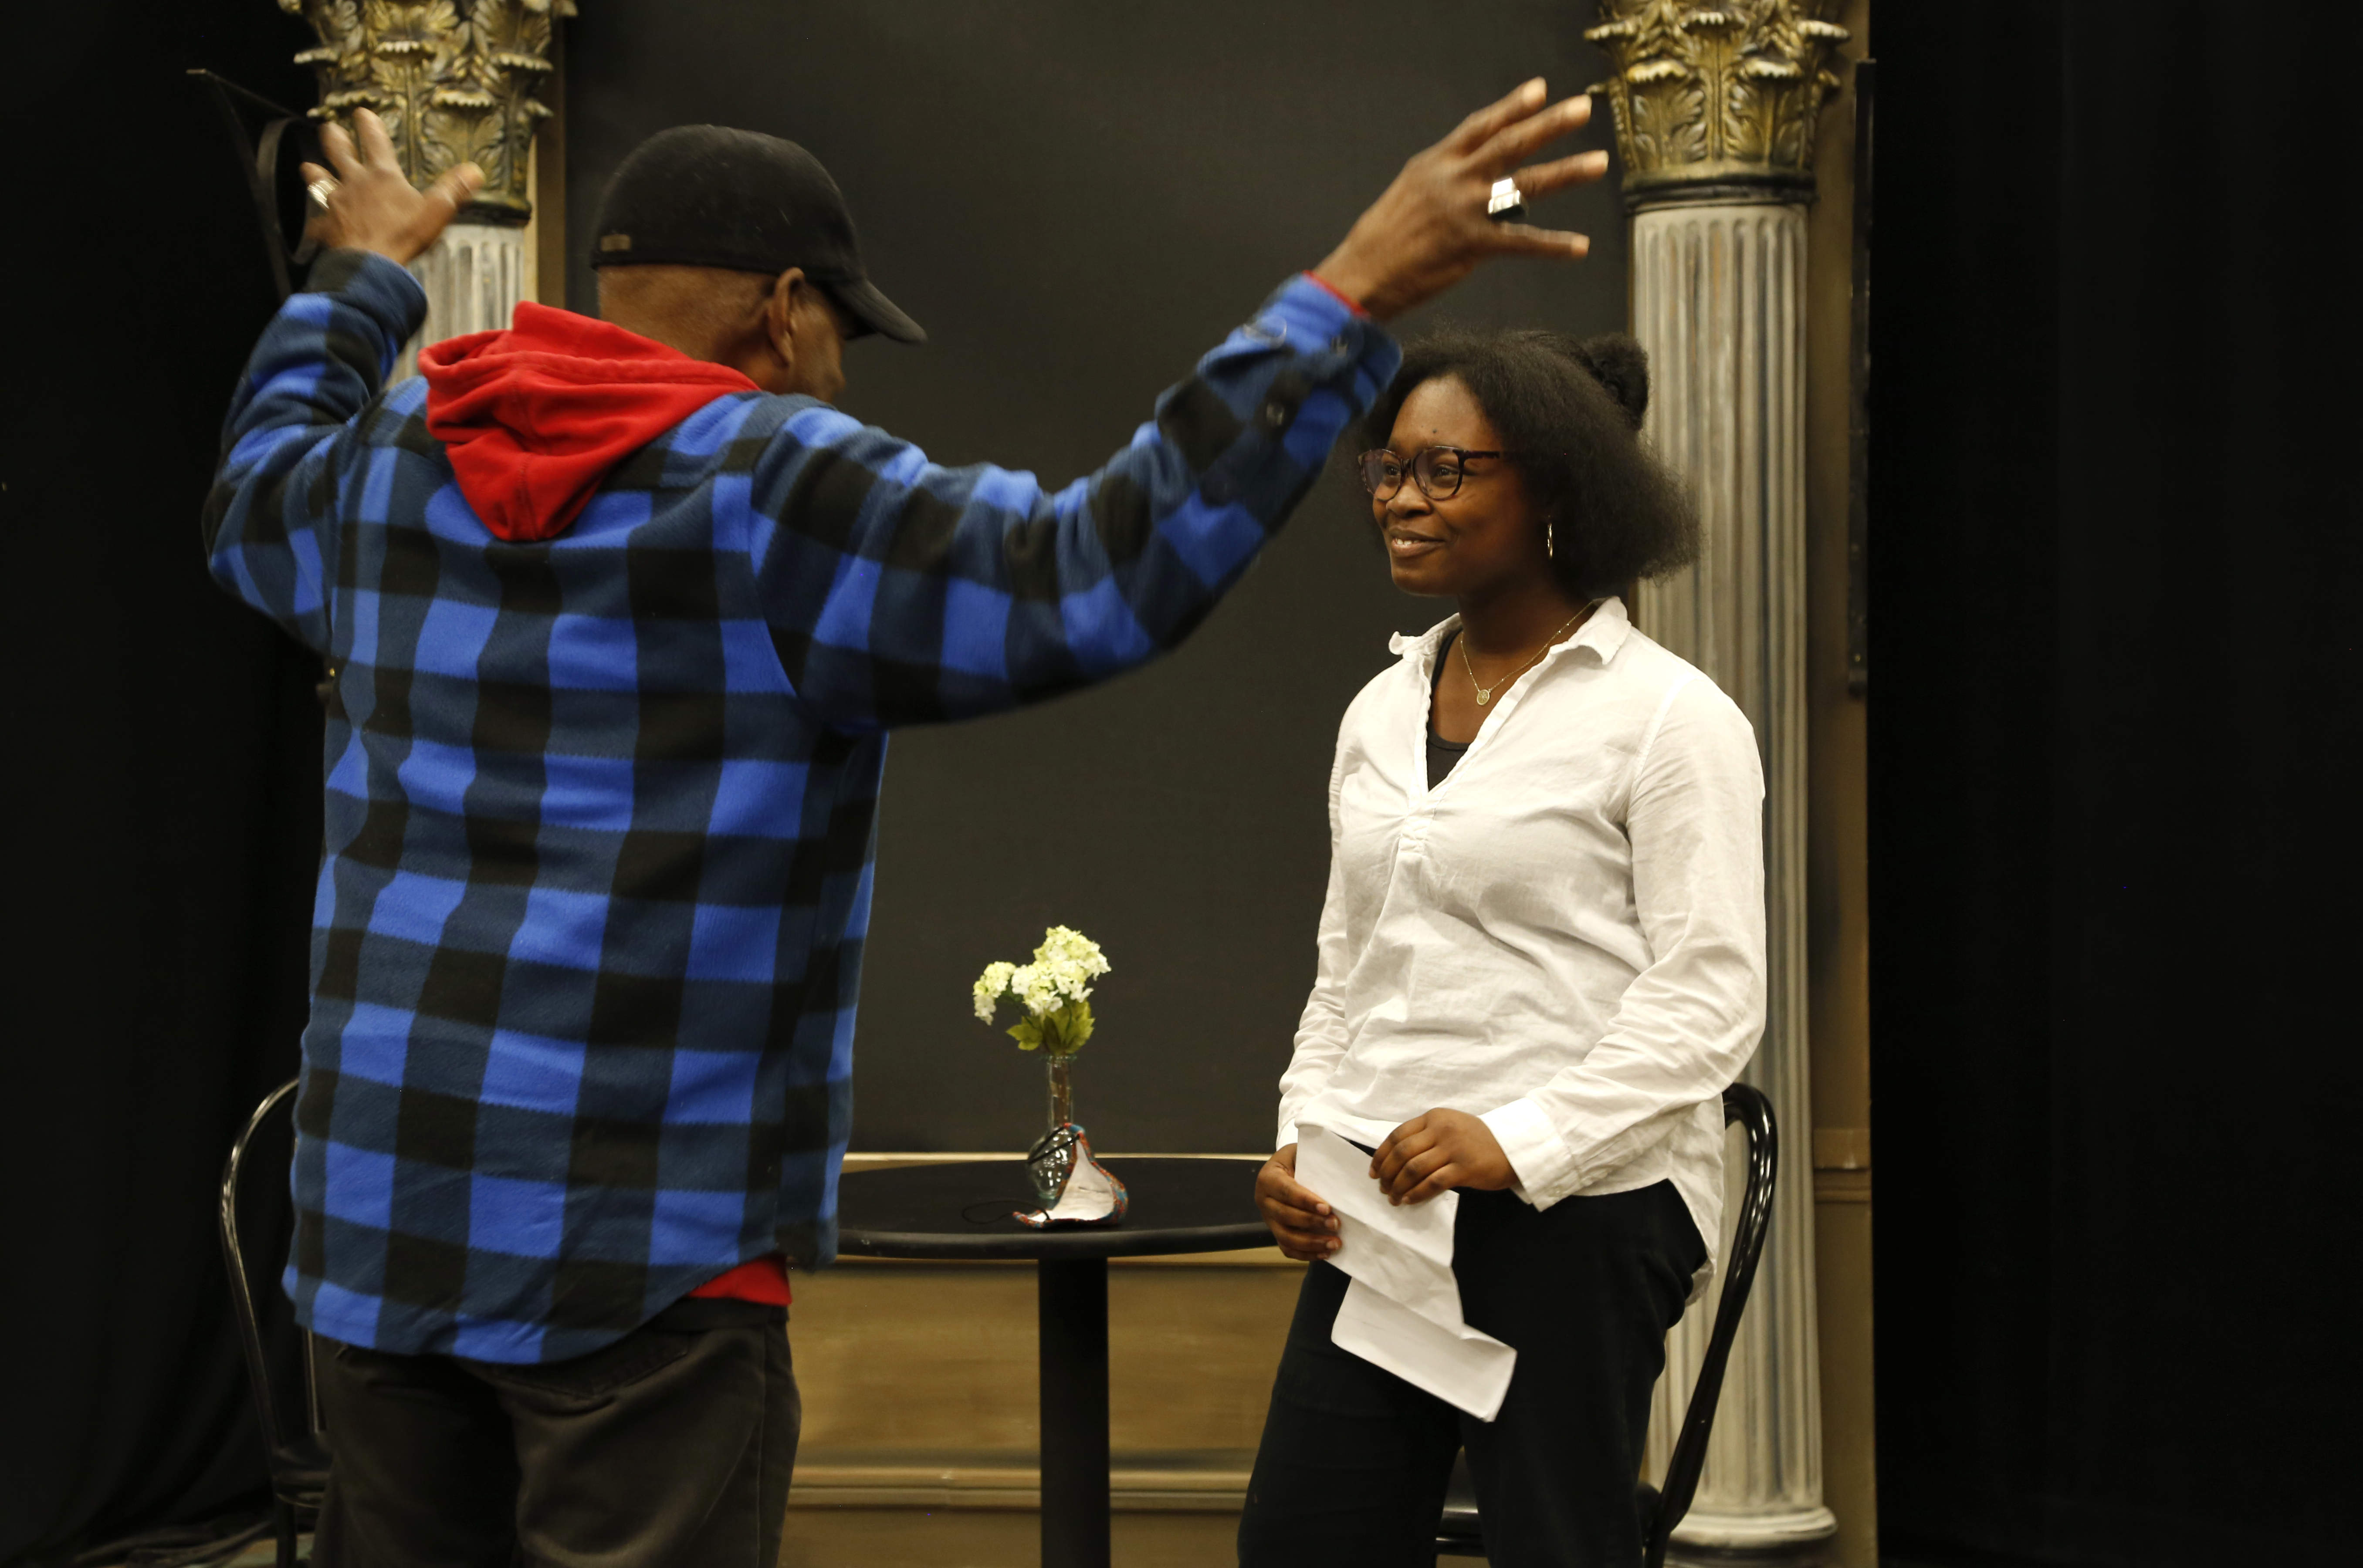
[1461, 1533]
[298, 1460]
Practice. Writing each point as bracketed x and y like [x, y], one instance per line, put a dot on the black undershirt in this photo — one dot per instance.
[1441, 753]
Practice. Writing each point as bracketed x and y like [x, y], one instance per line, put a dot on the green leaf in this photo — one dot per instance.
[1027, 1032]
[1066, 1030]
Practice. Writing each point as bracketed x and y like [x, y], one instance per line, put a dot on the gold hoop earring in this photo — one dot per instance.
[1550, 541]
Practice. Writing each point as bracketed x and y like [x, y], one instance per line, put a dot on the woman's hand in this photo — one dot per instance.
[1436, 1153]
[369, 206]
[1300, 1223]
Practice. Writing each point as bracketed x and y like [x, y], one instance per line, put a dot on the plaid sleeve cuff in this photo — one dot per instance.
[384, 292]
[1309, 316]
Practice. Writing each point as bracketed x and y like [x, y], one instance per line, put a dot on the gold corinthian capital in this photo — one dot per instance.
[1716, 96]
[452, 79]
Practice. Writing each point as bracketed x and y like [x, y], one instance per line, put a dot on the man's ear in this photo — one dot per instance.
[779, 315]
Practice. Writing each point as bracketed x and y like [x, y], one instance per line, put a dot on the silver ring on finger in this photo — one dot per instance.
[320, 191]
[1507, 204]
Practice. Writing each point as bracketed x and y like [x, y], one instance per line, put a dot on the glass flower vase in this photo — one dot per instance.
[1052, 1158]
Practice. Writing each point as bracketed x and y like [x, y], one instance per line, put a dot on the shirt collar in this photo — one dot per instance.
[1604, 634]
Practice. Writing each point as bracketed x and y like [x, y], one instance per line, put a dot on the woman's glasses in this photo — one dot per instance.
[1437, 471]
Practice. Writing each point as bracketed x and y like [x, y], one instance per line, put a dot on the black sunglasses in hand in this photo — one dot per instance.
[1437, 471]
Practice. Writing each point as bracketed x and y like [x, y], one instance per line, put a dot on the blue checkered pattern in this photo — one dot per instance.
[600, 809]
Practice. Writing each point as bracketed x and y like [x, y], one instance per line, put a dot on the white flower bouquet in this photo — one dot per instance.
[1055, 991]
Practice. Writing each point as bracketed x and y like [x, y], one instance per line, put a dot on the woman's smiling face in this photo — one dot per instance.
[1485, 537]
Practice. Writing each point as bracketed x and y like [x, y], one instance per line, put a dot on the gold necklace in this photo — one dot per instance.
[1485, 693]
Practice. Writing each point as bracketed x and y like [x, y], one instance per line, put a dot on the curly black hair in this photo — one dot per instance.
[1570, 412]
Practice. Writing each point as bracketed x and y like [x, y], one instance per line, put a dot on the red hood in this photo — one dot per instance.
[533, 417]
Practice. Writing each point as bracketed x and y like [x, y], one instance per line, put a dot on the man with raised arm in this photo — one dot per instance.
[618, 613]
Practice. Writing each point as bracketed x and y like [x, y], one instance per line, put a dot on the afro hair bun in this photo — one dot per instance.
[1621, 365]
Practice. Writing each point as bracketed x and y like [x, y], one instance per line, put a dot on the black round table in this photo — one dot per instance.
[963, 1209]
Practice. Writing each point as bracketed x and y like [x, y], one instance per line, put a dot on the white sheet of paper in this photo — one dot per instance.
[1460, 1366]
[1402, 1311]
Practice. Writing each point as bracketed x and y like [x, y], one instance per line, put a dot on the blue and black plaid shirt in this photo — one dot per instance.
[588, 934]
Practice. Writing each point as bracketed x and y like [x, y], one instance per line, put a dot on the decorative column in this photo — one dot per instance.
[1716, 108]
[453, 82]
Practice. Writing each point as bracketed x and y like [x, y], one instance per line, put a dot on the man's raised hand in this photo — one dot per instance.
[370, 206]
[1429, 229]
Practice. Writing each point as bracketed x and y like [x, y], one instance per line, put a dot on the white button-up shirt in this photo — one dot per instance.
[1564, 938]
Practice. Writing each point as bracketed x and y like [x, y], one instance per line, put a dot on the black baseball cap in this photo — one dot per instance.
[712, 196]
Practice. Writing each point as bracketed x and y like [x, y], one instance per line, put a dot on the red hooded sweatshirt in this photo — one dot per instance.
[533, 417]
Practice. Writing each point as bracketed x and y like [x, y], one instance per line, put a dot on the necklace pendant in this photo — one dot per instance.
[1483, 697]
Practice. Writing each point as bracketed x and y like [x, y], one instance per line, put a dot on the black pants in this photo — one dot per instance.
[671, 1447]
[1354, 1461]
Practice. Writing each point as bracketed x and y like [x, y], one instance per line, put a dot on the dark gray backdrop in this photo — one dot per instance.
[1077, 199]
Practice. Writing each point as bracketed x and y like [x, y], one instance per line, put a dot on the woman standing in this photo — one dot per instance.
[1541, 962]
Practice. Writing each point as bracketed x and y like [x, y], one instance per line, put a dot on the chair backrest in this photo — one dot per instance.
[1461, 1533]
[283, 1437]
[1662, 1508]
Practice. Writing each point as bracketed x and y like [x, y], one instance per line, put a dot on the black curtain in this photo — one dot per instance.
[161, 763]
[2112, 825]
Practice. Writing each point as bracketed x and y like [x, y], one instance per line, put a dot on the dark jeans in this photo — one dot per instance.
[671, 1447]
[1354, 1461]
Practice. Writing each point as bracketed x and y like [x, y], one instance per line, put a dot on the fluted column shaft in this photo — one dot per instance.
[475, 276]
[1718, 300]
